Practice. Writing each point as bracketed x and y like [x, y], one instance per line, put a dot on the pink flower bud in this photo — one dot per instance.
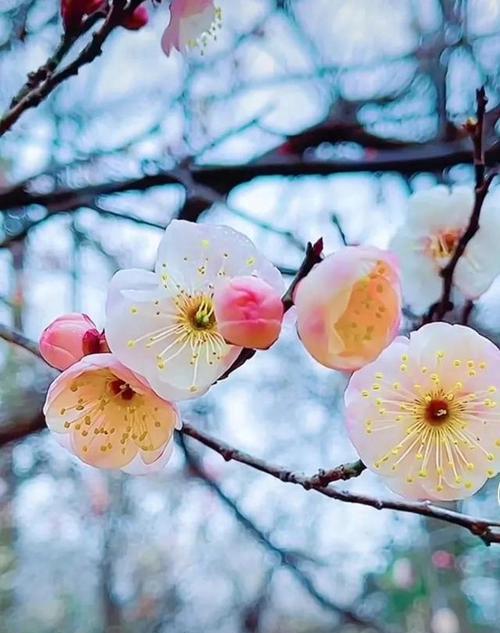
[138, 19]
[73, 11]
[68, 339]
[248, 312]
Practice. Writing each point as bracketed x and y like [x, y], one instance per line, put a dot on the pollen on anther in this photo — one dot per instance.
[131, 344]
[251, 261]
[134, 310]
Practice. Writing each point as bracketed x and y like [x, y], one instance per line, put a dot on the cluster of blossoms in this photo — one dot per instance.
[421, 411]
[192, 22]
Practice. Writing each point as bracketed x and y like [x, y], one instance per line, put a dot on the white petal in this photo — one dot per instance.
[422, 284]
[480, 265]
[138, 467]
[196, 255]
[439, 209]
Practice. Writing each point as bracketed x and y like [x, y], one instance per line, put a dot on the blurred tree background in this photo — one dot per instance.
[304, 118]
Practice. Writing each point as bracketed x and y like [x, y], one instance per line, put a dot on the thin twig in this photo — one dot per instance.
[483, 182]
[34, 96]
[488, 531]
[286, 557]
[311, 258]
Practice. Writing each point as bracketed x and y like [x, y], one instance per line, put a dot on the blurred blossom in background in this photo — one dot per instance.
[88, 551]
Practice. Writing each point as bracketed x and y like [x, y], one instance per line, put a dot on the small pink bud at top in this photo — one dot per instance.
[73, 11]
[138, 19]
[349, 307]
[68, 339]
[248, 312]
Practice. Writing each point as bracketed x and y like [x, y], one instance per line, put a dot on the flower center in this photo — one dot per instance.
[121, 388]
[437, 412]
[443, 245]
[200, 313]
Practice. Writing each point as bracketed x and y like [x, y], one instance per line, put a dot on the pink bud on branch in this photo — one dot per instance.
[248, 312]
[68, 339]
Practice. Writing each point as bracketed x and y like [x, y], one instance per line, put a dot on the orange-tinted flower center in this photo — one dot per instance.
[121, 388]
[443, 245]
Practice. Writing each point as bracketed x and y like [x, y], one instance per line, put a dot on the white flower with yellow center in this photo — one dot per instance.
[162, 324]
[425, 415]
[436, 220]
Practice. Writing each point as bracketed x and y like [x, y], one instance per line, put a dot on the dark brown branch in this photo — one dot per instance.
[488, 531]
[311, 258]
[223, 178]
[476, 131]
[31, 98]
[287, 558]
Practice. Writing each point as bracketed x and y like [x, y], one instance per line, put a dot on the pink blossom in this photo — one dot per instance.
[73, 11]
[424, 415]
[69, 338]
[349, 307]
[138, 19]
[109, 418]
[248, 311]
[192, 22]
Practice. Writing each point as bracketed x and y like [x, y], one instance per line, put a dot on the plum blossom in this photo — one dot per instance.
[69, 338]
[349, 307]
[102, 413]
[425, 414]
[248, 311]
[191, 24]
[163, 324]
[436, 220]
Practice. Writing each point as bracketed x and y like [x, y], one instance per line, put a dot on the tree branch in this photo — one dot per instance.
[476, 131]
[223, 178]
[286, 557]
[44, 81]
[488, 531]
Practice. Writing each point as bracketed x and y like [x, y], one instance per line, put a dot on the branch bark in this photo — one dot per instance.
[44, 81]
[488, 531]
